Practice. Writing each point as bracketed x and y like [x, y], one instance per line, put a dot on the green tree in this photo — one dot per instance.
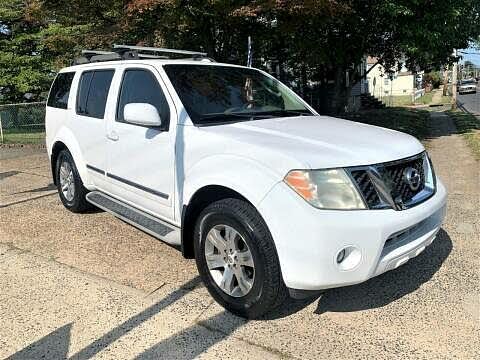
[34, 44]
[308, 43]
[22, 68]
[312, 40]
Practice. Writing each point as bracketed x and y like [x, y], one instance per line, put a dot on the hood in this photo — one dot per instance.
[316, 142]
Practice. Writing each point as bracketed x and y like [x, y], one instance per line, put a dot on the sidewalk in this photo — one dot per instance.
[53, 311]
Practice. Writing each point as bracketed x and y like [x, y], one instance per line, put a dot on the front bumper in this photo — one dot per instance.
[308, 240]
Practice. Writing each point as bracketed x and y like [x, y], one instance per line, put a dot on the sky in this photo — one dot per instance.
[473, 55]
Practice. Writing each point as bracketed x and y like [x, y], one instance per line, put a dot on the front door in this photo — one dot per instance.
[140, 166]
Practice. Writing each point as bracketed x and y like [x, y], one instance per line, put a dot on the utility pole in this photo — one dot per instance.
[454, 82]
[445, 80]
[249, 52]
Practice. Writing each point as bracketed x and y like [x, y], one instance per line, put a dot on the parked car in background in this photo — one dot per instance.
[235, 169]
[467, 86]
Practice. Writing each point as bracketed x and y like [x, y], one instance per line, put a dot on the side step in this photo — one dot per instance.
[138, 218]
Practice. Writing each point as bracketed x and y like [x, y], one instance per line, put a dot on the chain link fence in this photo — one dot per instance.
[22, 123]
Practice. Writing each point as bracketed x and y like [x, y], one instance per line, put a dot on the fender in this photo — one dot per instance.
[65, 135]
[246, 176]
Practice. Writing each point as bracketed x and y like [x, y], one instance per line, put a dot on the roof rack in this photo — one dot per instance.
[128, 52]
[159, 50]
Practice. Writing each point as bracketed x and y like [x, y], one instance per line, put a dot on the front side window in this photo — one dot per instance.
[93, 92]
[222, 94]
[58, 97]
[141, 86]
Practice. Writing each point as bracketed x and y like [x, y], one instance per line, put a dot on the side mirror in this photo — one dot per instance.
[142, 114]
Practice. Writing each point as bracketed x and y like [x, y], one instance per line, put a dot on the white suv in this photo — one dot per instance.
[235, 169]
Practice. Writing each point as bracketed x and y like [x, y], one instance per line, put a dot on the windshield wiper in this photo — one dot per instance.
[280, 112]
[228, 118]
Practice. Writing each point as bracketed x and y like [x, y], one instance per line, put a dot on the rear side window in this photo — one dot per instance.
[60, 91]
[141, 86]
[93, 92]
[83, 87]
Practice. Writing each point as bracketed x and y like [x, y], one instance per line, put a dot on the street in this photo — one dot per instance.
[83, 286]
[470, 102]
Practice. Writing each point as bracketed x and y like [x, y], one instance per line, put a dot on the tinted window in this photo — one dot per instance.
[60, 91]
[83, 87]
[93, 92]
[141, 86]
[219, 94]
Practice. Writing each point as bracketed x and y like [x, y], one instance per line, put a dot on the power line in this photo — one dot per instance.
[469, 53]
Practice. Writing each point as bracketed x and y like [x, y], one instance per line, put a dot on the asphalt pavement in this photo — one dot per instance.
[91, 286]
[470, 102]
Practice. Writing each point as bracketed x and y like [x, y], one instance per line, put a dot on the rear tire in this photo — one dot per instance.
[69, 184]
[251, 284]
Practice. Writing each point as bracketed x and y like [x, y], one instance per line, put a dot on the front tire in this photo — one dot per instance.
[237, 259]
[69, 184]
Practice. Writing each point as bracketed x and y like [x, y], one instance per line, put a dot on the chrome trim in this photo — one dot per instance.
[383, 184]
[383, 191]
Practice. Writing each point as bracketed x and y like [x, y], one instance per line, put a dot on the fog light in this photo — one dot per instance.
[348, 258]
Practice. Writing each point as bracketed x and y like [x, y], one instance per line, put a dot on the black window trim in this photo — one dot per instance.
[89, 84]
[165, 127]
[69, 90]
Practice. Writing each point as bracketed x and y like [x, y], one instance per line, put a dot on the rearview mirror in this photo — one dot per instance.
[142, 114]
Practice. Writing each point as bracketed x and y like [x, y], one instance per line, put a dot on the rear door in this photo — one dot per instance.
[89, 120]
[140, 167]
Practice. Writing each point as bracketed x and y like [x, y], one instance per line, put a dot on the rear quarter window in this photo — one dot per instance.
[58, 97]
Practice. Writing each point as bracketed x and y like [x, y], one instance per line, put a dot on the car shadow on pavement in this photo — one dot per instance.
[390, 286]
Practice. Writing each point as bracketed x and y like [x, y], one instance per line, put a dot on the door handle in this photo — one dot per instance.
[113, 136]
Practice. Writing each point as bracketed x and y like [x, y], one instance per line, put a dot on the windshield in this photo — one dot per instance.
[468, 82]
[215, 94]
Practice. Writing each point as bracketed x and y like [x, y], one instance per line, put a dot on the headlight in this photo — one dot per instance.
[326, 189]
[430, 178]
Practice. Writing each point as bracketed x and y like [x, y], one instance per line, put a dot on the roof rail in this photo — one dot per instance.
[159, 50]
[128, 52]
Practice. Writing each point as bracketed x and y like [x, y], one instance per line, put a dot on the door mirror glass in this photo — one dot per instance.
[142, 114]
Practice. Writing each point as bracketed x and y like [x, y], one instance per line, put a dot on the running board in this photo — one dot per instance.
[138, 218]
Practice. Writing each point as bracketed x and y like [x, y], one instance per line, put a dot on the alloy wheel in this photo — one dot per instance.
[67, 181]
[229, 260]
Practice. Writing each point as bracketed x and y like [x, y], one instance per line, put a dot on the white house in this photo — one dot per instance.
[381, 83]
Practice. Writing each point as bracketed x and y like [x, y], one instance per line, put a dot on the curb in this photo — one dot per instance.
[27, 146]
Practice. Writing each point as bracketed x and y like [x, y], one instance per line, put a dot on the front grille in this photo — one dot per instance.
[366, 187]
[400, 186]
[392, 175]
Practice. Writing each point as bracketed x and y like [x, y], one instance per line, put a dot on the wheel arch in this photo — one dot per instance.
[56, 149]
[65, 140]
[199, 201]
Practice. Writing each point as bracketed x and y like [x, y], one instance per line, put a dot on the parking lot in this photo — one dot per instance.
[89, 285]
